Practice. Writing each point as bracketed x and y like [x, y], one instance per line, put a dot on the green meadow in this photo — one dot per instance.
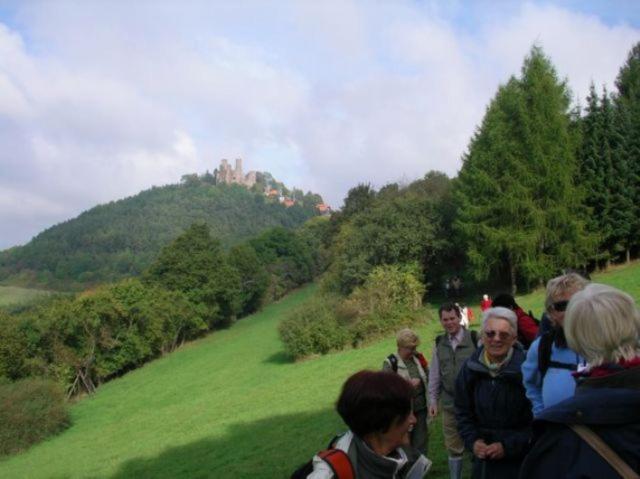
[230, 405]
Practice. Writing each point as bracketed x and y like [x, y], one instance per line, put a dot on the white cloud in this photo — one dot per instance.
[99, 100]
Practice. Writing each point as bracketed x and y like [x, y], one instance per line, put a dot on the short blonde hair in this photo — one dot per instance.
[602, 324]
[562, 284]
[407, 338]
[501, 312]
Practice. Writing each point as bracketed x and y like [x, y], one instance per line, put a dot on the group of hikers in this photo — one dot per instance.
[559, 399]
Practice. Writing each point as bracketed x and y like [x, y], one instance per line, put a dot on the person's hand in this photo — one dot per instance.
[415, 382]
[433, 411]
[495, 451]
[480, 449]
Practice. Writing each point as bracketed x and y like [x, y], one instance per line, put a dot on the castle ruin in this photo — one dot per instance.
[226, 174]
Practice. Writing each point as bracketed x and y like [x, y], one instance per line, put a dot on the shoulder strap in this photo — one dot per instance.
[339, 462]
[423, 361]
[608, 454]
[394, 362]
[544, 352]
[559, 365]
[474, 338]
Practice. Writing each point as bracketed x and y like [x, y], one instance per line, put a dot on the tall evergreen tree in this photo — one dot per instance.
[520, 210]
[596, 175]
[627, 152]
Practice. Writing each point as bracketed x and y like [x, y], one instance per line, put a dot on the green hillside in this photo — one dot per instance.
[121, 238]
[228, 406]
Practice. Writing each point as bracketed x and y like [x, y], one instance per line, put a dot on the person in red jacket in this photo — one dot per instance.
[485, 303]
[527, 326]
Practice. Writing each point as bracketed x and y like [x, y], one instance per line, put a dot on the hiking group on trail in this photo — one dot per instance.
[557, 401]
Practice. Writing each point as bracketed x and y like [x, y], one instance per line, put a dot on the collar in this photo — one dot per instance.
[611, 368]
[458, 337]
[375, 465]
[511, 368]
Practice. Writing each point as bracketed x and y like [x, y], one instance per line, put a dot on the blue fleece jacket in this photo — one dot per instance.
[558, 384]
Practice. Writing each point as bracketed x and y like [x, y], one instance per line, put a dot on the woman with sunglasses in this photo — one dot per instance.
[492, 411]
[548, 368]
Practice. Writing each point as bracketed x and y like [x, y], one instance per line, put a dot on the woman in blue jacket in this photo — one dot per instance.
[548, 368]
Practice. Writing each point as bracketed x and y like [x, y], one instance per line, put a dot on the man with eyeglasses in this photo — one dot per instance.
[547, 371]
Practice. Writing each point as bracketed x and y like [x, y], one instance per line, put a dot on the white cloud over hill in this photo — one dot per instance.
[99, 100]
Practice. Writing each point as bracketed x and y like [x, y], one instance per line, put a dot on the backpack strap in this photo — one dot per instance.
[423, 361]
[339, 462]
[559, 365]
[608, 454]
[394, 362]
[544, 352]
[474, 338]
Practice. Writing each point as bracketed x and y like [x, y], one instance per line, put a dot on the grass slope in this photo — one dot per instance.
[229, 406]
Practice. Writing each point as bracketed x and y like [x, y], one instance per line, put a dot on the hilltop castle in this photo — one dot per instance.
[226, 174]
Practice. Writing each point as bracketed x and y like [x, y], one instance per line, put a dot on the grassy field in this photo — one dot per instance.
[11, 296]
[228, 406]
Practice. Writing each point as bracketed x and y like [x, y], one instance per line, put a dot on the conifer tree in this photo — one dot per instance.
[627, 152]
[520, 210]
[596, 175]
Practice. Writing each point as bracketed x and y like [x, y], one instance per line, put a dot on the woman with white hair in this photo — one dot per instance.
[596, 433]
[492, 412]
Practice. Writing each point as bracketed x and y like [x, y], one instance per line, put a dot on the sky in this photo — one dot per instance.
[100, 100]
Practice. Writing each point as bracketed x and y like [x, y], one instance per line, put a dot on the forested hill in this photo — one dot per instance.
[121, 238]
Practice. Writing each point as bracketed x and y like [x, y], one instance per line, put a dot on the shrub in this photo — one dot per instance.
[388, 288]
[30, 411]
[390, 299]
[313, 328]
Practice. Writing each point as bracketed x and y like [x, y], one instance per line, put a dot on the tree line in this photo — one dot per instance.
[544, 186]
[194, 286]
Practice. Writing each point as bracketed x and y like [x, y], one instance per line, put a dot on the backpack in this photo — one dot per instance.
[526, 343]
[544, 355]
[336, 459]
[419, 356]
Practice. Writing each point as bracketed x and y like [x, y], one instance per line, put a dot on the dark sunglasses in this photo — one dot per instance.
[560, 306]
[503, 335]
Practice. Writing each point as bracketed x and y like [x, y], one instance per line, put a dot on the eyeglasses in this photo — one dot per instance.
[559, 306]
[503, 335]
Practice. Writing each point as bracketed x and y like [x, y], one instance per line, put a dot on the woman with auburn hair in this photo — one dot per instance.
[596, 433]
[376, 406]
